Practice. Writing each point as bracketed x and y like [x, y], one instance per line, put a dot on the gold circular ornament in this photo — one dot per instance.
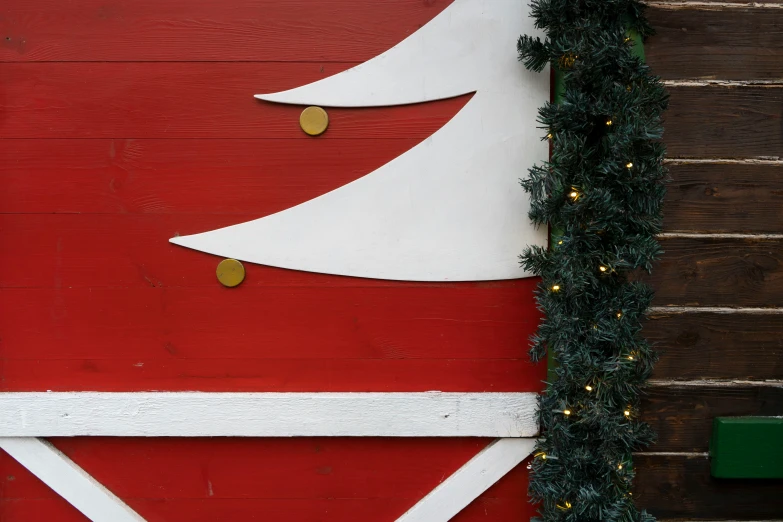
[230, 272]
[314, 121]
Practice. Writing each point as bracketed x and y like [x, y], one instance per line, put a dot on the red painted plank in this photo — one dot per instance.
[254, 177]
[275, 468]
[298, 480]
[208, 30]
[273, 322]
[262, 510]
[133, 251]
[279, 375]
[188, 100]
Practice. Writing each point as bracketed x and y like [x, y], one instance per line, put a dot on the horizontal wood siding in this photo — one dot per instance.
[729, 197]
[715, 271]
[716, 345]
[714, 121]
[681, 488]
[720, 340]
[729, 44]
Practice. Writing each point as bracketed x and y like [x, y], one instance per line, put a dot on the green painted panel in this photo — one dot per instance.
[747, 447]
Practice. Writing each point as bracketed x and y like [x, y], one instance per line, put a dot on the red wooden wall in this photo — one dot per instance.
[124, 123]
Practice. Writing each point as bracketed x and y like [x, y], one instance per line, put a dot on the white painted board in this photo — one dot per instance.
[194, 414]
[68, 480]
[470, 481]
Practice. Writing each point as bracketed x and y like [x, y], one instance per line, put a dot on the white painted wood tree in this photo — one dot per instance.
[449, 209]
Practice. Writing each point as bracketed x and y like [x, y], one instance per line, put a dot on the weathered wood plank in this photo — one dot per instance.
[735, 44]
[208, 30]
[681, 488]
[725, 198]
[682, 415]
[200, 414]
[719, 272]
[721, 122]
[717, 346]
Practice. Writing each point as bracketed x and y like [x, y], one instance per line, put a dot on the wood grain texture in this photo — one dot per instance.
[467, 483]
[69, 481]
[133, 251]
[188, 100]
[382, 509]
[730, 44]
[297, 339]
[214, 100]
[210, 30]
[682, 415]
[259, 374]
[724, 197]
[681, 488]
[201, 414]
[283, 479]
[126, 176]
[717, 346]
[269, 322]
[721, 122]
[719, 272]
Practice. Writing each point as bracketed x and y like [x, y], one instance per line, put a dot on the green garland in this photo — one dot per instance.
[601, 192]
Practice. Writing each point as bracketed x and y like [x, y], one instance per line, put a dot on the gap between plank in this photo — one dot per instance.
[719, 383]
[716, 235]
[704, 454]
[713, 310]
[771, 84]
[772, 161]
[712, 6]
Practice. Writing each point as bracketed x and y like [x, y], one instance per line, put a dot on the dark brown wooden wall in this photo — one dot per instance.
[718, 315]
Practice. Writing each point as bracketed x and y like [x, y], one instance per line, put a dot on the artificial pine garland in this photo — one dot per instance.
[601, 193]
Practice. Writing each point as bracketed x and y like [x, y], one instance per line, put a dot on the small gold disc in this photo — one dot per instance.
[314, 121]
[230, 272]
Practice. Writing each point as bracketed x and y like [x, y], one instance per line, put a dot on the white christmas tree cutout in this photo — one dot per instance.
[449, 209]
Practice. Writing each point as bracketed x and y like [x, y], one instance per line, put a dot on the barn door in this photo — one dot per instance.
[362, 354]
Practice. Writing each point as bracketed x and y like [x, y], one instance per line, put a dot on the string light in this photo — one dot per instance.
[619, 466]
[619, 315]
[629, 165]
[564, 506]
[627, 413]
[566, 412]
[608, 123]
[574, 194]
[541, 455]
[602, 268]
[555, 288]
[630, 357]
[560, 242]
[549, 136]
[589, 388]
